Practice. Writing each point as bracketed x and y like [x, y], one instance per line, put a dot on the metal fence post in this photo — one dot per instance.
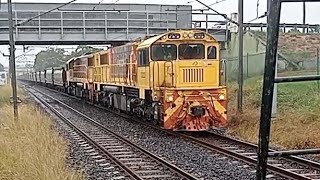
[224, 67]
[318, 64]
[240, 56]
[275, 92]
[247, 64]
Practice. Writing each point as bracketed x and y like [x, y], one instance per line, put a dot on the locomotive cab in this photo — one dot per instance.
[180, 73]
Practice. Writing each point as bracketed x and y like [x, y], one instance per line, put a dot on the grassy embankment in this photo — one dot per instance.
[298, 121]
[30, 148]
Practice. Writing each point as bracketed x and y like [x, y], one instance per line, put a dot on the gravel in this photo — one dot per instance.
[312, 157]
[79, 158]
[197, 160]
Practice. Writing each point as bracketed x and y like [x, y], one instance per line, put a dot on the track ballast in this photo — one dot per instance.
[134, 161]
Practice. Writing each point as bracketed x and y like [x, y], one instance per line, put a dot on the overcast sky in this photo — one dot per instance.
[291, 12]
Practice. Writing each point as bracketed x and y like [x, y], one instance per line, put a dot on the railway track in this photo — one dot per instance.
[291, 167]
[105, 145]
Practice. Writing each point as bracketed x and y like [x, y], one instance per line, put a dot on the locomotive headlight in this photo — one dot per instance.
[155, 98]
[190, 35]
[222, 97]
[170, 98]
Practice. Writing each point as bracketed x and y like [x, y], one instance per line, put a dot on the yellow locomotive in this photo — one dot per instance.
[172, 79]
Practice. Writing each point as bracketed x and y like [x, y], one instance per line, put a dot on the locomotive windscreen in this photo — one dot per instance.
[164, 52]
[191, 51]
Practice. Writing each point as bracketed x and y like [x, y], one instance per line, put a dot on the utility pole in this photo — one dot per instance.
[304, 17]
[12, 64]
[240, 72]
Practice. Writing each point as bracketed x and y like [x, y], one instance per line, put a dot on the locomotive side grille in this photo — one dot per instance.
[193, 75]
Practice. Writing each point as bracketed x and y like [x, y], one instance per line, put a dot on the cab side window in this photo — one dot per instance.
[143, 57]
[212, 52]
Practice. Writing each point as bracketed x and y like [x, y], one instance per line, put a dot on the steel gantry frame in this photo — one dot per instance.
[269, 79]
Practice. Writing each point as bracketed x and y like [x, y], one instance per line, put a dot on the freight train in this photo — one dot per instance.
[172, 79]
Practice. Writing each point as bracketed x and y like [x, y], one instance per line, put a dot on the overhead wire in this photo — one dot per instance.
[98, 4]
[44, 13]
[223, 15]
[217, 2]
[101, 2]
[258, 17]
[205, 7]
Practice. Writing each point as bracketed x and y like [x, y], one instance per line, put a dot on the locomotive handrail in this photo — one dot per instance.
[158, 74]
[153, 72]
[165, 74]
[170, 74]
[129, 65]
[152, 62]
[173, 73]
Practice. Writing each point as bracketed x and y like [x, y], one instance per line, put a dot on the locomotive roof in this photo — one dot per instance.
[71, 59]
[150, 41]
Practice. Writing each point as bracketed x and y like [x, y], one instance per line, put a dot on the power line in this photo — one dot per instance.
[259, 17]
[223, 15]
[217, 2]
[98, 4]
[30, 19]
[204, 8]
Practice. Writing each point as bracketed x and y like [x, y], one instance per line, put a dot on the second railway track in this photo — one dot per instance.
[291, 167]
[134, 161]
[279, 168]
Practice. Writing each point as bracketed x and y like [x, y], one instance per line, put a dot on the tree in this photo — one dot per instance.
[50, 58]
[57, 57]
[82, 50]
[1, 67]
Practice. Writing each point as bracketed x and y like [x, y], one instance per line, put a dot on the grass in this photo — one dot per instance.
[30, 148]
[298, 121]
[6, 93]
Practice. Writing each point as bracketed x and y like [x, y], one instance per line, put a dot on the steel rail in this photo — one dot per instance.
[176, 169]
[280, 171]
[131, 173]
[274, 169]
[302, 161]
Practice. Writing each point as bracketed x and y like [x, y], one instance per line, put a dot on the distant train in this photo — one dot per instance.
[172, 79]
[3, 78]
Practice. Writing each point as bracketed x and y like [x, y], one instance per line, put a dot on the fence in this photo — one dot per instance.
[253, 65]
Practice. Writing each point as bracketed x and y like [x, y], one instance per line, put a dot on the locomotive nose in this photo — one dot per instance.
[197, 111]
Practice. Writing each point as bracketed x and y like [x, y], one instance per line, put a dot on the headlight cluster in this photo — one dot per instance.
[222, 97]
[170, 98]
